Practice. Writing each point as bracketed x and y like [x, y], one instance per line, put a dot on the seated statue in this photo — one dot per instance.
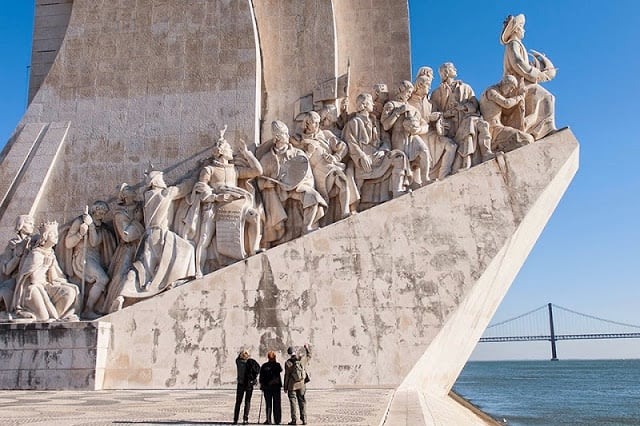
[442, 149]
[222, 215]
[90, 244]
[42, 291]
[16, 250]
[163, 257]
[497, 101]
[287, 186]
[459, 107]
[332, 178]
[129, 229]
[380, 172]
[536, 116]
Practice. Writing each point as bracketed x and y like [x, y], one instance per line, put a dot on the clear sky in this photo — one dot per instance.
[586, 257]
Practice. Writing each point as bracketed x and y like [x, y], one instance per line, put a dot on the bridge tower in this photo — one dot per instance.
[552, 335]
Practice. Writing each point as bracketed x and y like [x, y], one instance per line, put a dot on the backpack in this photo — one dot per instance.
[297, 373]
[253, 369]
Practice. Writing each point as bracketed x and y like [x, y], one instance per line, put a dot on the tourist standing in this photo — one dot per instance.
[248, 370]
[270, 383]
[295, 378]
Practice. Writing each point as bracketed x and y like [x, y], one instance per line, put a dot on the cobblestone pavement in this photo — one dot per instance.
[181, 407]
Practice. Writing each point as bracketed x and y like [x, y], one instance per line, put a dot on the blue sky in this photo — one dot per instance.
[587, 256]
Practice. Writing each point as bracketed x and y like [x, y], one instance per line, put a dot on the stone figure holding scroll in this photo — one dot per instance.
[537, 115]
[16, 250]
[332, 178]
[163, 257]
[91, 243]
[216, 201]
[42, 291]
[129, 229]
[287, 187]
[497, 102]
[380, 172]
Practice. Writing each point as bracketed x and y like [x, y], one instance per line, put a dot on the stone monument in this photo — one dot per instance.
[257, 196]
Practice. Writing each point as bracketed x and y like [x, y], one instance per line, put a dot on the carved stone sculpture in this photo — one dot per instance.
[495, 103]
[16, 250]
[380, 172]
[459, 106]
[537, 115]
[425, 72]
[222, 215]
[42, 291]
[380, 99]
[91, 245]
[442, 149]
[129, 228]
[329, 119]
[163, 257]
[394, 115]
[287, 187]
[332, 179]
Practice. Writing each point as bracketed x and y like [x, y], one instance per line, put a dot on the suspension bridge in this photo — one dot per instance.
[552, 323]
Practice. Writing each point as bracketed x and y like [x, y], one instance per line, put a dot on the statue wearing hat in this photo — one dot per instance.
[536, 115]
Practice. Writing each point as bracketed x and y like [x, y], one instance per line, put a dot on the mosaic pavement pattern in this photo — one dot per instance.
[181, 407]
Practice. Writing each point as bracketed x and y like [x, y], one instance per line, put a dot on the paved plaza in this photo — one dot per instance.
[181, 407]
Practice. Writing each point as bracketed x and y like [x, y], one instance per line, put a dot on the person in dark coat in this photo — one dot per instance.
[270, 383]
[248, 370]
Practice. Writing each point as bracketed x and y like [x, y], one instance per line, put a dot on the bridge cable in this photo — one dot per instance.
[518, 317]
[593, 317]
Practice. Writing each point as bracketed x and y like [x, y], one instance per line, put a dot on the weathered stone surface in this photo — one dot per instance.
[53, 355]
[155, 82]
[421, 274]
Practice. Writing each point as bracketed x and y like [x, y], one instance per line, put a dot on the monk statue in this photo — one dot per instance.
[163, 257]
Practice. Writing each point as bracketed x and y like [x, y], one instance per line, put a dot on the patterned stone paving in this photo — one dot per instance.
[180, 407]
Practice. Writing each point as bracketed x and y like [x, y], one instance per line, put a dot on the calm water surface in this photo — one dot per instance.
[602, 392]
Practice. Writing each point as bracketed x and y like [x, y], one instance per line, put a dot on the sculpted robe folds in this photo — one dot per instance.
[275, 164]
[42, 289]
[163, 256]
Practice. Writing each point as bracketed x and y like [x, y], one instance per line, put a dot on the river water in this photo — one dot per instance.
[566, 392]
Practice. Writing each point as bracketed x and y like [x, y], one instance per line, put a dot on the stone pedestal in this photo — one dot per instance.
[48, 356]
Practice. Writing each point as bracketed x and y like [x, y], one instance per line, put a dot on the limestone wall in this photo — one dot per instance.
[374, 37]
[53, 355]
[51, 21]
[142, 81]
[370, 293]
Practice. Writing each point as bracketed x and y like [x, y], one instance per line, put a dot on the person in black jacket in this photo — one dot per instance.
[248, 370]
[270, 383]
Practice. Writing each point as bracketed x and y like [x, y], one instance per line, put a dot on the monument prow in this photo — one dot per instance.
[383, 229]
